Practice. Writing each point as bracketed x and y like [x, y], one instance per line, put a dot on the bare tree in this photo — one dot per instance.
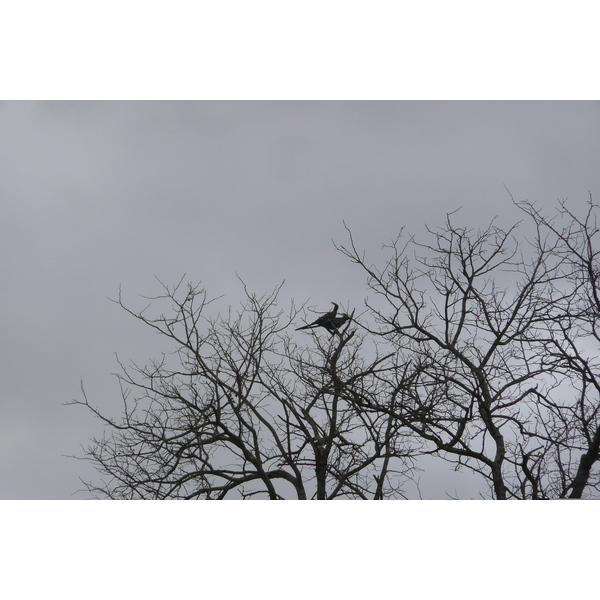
[569, 441]
[480, 347]
[495, 341]
[239, 409]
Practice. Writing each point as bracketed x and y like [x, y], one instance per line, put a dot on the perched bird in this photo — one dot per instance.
[325, 320]
[335, 323]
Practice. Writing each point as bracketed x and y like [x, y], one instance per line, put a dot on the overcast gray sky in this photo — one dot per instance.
[94, 195]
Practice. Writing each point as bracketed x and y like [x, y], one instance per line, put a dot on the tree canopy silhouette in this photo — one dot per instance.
[476, 347]
[239, 409]
[501, 337]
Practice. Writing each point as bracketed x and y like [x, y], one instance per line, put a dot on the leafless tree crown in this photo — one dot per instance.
[501, 334]
[478, 347]
[239, 409]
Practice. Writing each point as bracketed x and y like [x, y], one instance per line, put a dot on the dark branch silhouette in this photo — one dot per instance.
[495, 339]
[483, 351]
[240, 411]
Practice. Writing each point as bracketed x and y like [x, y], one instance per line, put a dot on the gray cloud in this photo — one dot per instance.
[97, 194]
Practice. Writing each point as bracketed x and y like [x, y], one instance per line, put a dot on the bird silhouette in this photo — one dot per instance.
[325, 321]
[335, 323]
